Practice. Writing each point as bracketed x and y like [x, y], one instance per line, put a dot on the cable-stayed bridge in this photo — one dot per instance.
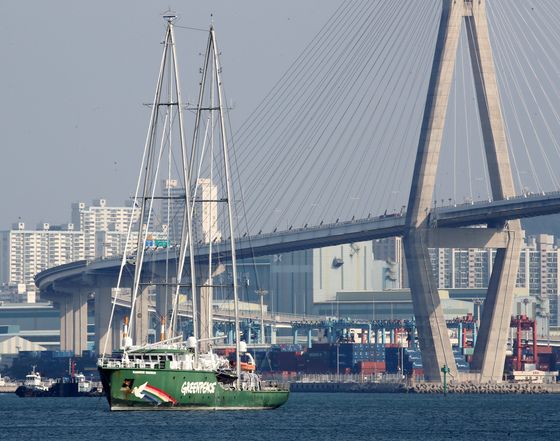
[342, 232]
[421, 225]
[63, 279]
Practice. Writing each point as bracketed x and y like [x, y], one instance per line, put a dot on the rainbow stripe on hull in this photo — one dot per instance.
[151, 393]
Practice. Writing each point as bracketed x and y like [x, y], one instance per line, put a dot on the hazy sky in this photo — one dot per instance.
[74, 77]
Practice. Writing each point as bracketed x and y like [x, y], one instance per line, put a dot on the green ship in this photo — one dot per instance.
[155, 379]
[177, 373]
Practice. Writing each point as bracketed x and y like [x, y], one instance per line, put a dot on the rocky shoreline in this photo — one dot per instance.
[427, 388]
[484, 388]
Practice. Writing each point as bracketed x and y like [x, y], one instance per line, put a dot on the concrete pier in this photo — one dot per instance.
[103, 306]
[79, 319]
[141, 322]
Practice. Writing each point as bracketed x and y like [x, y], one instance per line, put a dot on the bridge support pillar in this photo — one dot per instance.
[295, 336]
[432, 328]
[164, 302]
[490, 349]
[432, 332]
[79, 319]
[103, 306]
[65, 307]
[117, 328]
[309, 335]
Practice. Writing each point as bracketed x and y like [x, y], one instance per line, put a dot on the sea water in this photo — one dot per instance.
[306, 416]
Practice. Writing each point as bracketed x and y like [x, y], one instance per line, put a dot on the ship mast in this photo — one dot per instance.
[212, 71]
[187, 237]
[150, 173]
[229, 192]
[147, 167]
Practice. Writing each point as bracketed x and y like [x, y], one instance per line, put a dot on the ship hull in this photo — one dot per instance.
[164, 389]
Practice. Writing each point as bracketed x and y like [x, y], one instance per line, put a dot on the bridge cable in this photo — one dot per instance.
[351, 119]
[322, 120]
[506, 68]
[543, 93]
[538, 106]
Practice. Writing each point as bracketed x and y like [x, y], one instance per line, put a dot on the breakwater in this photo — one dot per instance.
[426, 388]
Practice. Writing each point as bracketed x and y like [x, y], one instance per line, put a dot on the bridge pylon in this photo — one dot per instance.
[421, 230]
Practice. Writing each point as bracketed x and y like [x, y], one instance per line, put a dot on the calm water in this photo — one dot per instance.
[306, 417]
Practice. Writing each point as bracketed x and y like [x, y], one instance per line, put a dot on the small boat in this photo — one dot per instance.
[33, 385]
[75, 386]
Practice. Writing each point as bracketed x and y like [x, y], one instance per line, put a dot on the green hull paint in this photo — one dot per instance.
[182, 390]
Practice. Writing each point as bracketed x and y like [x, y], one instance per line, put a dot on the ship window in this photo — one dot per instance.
[169, 357]
[127, 383]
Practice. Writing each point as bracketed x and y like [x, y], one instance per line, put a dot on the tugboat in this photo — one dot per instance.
[173, 373]
[33, 386]
[76, 386]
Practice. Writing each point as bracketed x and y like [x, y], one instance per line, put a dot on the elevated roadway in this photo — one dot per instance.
[389, 225]
[61, 283]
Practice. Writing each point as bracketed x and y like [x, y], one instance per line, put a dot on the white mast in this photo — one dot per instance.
[169, 60]
[229, 198]
[210, 218]
[149, 153]
[187, 235]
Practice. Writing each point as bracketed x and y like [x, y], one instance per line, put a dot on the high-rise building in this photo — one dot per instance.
[462, 268]
[391, 251]
[95, 231]
[105, 228]
[541, 273]
[205, 210]
[27, 252]
[172, 209]
[205, 219]
[538, 271]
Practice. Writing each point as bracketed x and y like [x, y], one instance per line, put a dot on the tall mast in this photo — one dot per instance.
[206, 299]
[146, 184]
[187, 236]
[229, 201]
[210, 218]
